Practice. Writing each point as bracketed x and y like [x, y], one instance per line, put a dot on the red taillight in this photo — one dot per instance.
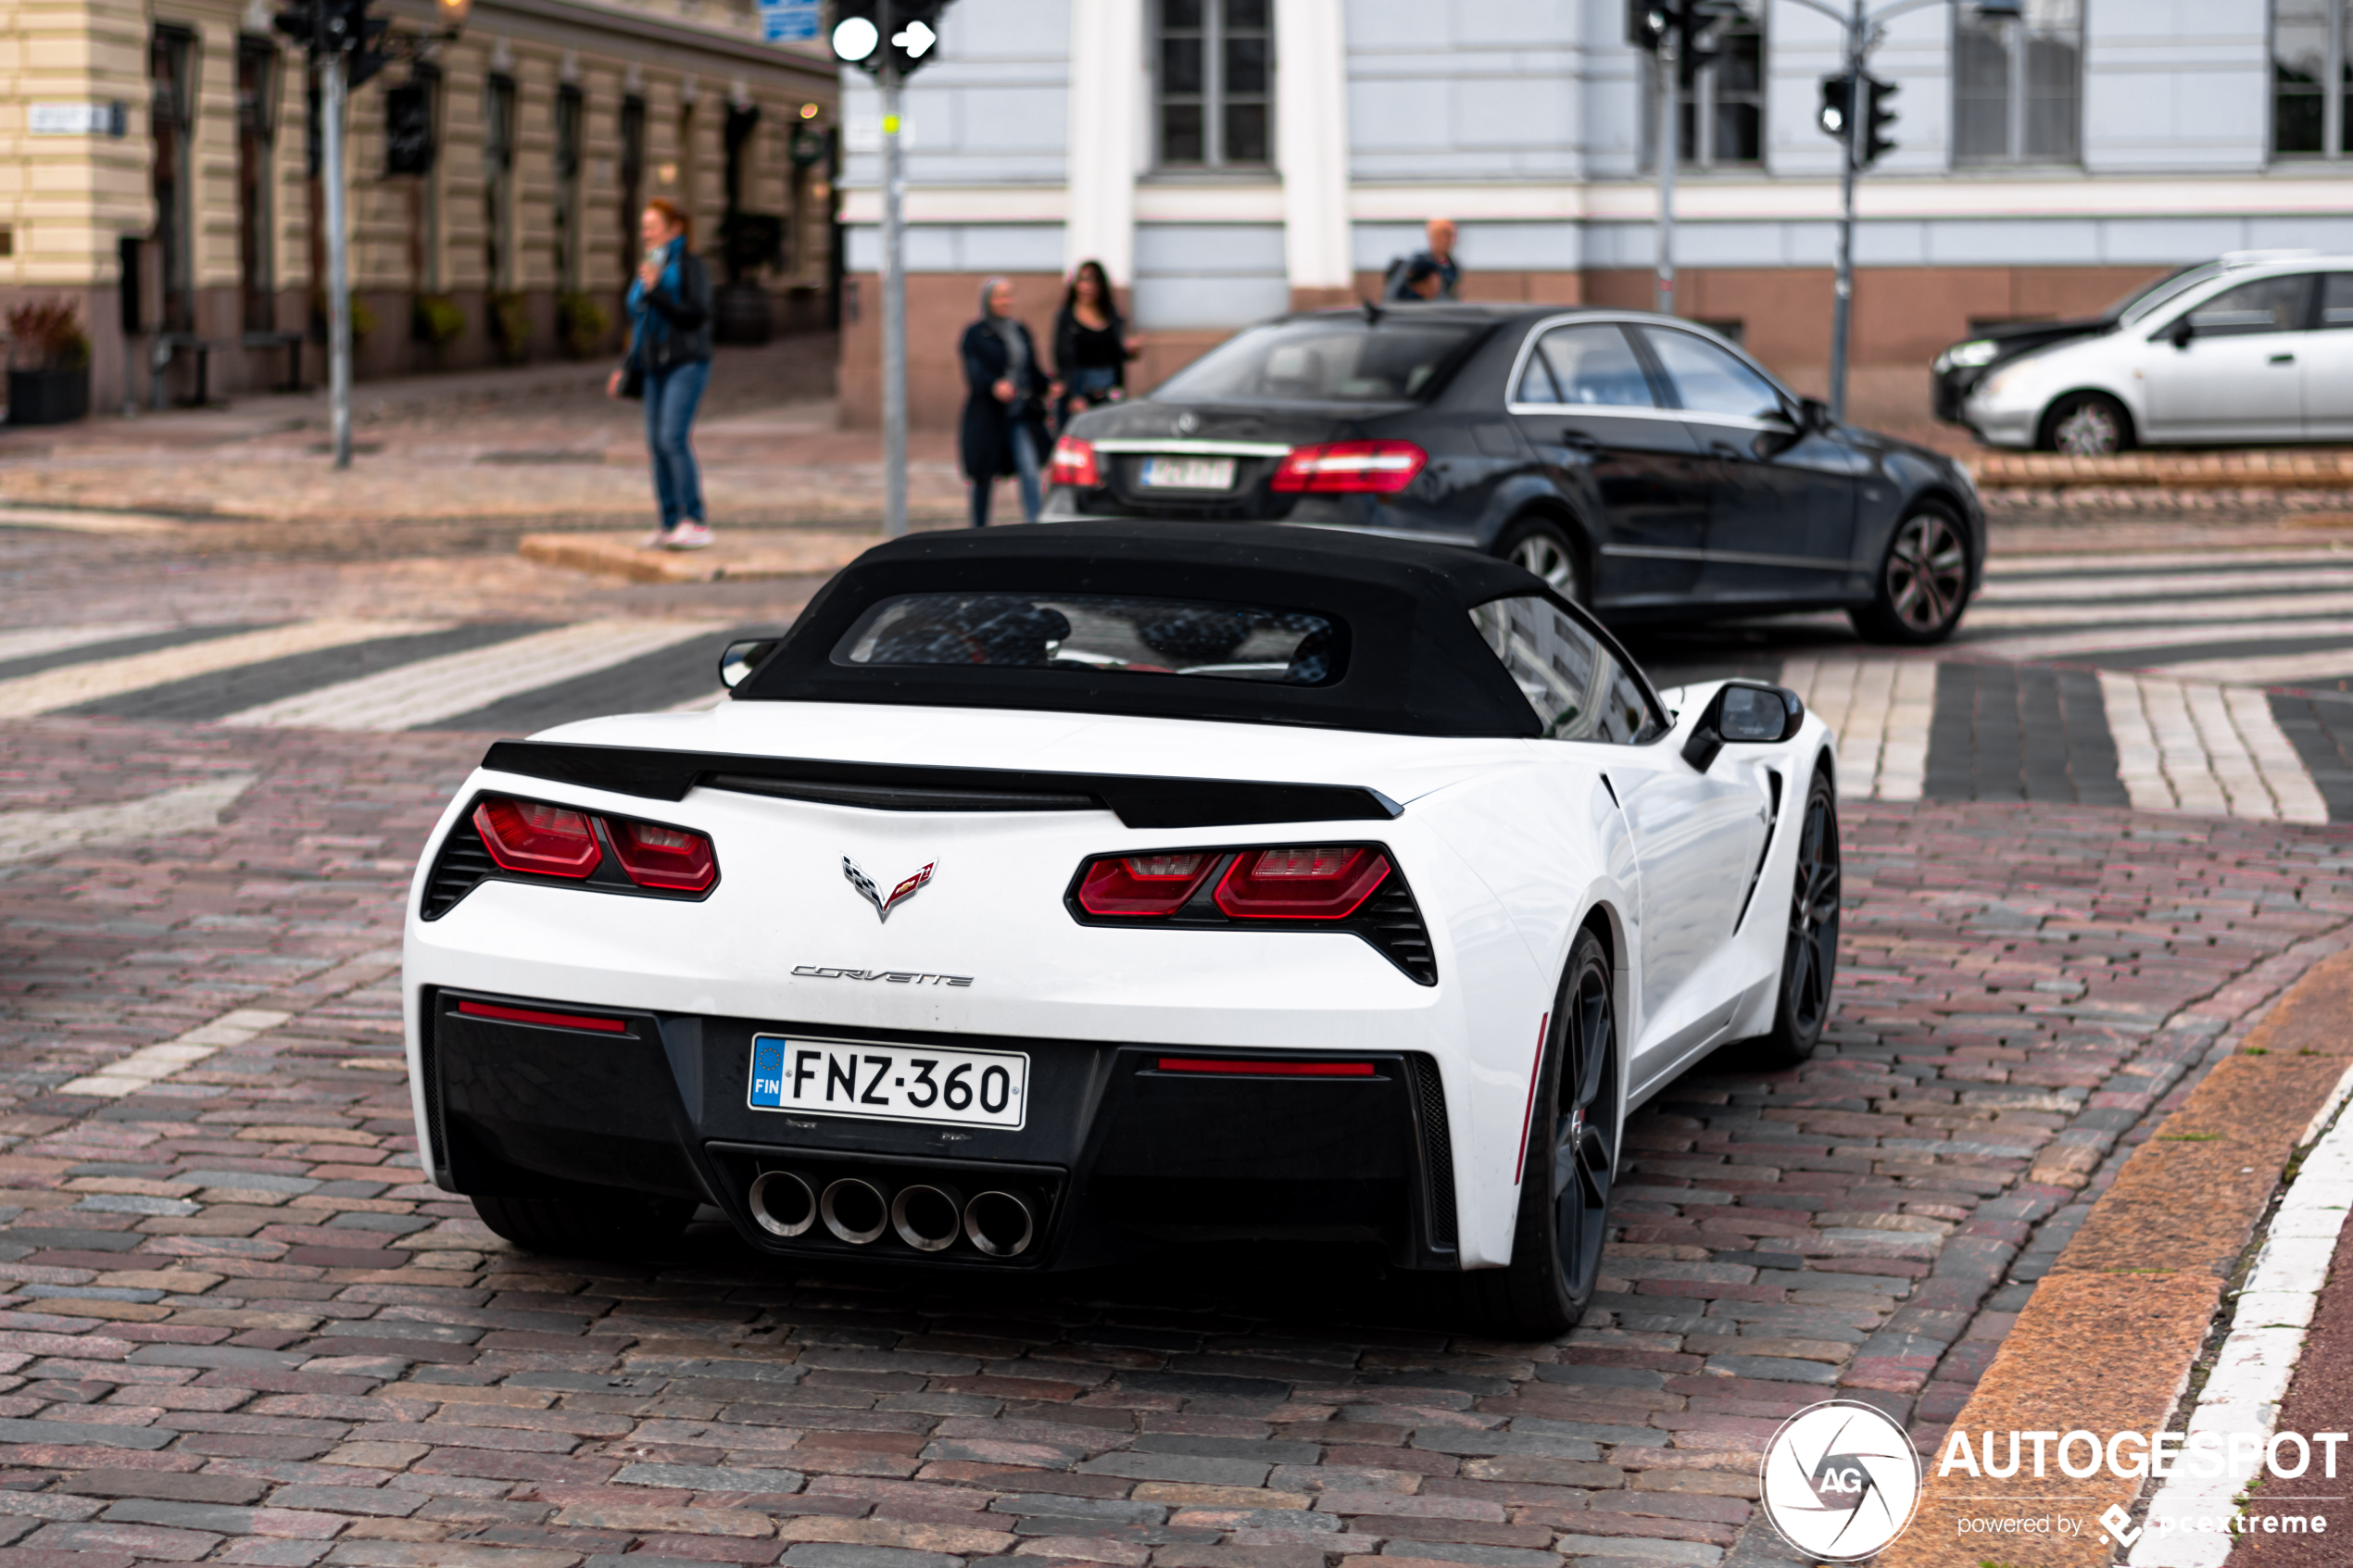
[554, 1020]
[1142, 885]
[1304, 884]
[523, 835]
[1074, 464]
[1350, 467]
[664, 858]
[1268, 1069]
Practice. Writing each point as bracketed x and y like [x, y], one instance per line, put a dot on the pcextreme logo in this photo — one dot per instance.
[1840, 1480]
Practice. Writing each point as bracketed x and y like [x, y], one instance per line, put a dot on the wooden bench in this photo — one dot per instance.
[169, 346]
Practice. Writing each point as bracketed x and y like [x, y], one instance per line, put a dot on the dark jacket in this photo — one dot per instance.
[1066, 330]
[986, 440]
[686, 317]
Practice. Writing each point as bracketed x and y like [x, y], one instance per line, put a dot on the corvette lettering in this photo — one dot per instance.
[896, 976]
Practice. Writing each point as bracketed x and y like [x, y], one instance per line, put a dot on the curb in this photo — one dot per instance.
[2108, 1340]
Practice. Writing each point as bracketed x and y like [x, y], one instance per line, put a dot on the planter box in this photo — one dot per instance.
[48, 398]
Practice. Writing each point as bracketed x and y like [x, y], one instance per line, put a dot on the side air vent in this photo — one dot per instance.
[1437, 1148]
[463, 866]
[1392, 921]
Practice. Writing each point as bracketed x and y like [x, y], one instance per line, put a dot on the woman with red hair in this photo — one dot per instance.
[670, 361]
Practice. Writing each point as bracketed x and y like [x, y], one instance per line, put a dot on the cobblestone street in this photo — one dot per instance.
[239, 1327]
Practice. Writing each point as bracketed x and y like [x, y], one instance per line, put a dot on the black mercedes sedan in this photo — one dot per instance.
[1642, 465]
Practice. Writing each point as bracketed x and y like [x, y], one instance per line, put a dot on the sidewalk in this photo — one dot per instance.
[539, 445]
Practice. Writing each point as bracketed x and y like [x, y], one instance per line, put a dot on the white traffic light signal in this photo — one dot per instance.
[915, 40]
[856, 39]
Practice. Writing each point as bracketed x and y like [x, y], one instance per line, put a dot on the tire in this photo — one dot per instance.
[1809, 953]
[1923, 581]
[586, 1221]
[2086, 424]
[1546, 549]
[1569, 1166]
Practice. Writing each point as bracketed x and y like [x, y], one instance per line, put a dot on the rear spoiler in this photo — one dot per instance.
[1140, 802]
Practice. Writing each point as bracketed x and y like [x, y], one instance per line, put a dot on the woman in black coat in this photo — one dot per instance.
[1004, 424]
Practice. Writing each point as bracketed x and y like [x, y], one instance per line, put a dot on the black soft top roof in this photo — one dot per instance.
[1415, 665]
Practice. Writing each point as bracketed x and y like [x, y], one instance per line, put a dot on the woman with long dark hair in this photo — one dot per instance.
[669, 362]
[1091, 343]
[1003, 429]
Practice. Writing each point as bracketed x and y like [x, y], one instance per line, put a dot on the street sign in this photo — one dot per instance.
[788, 21]
[78, 119]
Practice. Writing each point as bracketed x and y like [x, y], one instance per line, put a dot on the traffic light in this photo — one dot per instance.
[1877, 118]
[299, 21]
[912, 29]
[1647, 22]
[337, 27]
[1837, 97]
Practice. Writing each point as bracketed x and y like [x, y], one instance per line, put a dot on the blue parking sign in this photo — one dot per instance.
[788, 21]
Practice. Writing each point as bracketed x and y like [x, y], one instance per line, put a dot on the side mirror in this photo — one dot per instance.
[1743, 713]
[2182, 334]
[1813, 414]
[741, 658]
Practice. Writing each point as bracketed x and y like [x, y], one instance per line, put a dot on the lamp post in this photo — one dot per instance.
[1856, 130]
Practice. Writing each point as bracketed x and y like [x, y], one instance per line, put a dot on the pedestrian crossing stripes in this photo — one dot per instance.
[2140, 690]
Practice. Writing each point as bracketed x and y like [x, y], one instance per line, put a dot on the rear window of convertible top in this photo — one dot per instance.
[1097, 633]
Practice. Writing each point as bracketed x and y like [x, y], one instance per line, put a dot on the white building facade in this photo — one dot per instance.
[1227, 160]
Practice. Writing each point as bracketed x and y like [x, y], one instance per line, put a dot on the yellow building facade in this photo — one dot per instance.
[160, 167]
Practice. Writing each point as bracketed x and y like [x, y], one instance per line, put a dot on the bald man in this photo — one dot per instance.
[1428, 274]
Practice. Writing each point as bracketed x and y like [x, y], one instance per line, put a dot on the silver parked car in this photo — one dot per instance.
[2239, 350]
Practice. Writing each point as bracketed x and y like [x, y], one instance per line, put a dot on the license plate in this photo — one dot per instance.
[1188, 474]
[889, 1082]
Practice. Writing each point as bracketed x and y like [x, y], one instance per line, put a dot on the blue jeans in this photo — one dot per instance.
[1026, 468]
[671, 398]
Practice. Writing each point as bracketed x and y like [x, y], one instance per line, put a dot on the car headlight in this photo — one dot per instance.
[1970, 355]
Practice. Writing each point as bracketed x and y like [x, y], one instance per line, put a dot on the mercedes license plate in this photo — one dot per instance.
[889, 1082]
[1188, 474]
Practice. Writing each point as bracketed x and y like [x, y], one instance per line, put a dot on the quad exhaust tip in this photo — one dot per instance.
[854, 1209]
[1001, 1224]
[784, 1203]
[929, 1215]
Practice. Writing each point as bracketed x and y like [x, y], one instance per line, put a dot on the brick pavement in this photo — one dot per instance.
[237, 1327]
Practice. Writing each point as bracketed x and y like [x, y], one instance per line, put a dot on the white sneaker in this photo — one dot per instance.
[688, 536]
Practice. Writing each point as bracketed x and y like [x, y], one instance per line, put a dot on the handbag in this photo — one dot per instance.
[632, 374]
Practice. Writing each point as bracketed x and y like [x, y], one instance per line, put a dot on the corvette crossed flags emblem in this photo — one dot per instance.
[875, 896]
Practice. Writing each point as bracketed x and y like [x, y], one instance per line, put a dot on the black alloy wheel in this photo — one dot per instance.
[1543, 546]
[1809, 953]
[2086, 424]
[1923, 581]
[1569, 1166]
[585, 1222]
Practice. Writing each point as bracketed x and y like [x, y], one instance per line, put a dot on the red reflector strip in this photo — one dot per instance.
[1270, 1069]
[560, 1020]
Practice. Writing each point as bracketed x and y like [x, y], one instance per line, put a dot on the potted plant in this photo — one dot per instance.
[435, 320]
[749, 240]
[510, 324]
[583, 322]
[48, 364]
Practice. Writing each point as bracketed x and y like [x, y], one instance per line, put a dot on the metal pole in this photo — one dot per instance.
[331, 96]
[1669, 148]
[1843, 301]
[894, 285]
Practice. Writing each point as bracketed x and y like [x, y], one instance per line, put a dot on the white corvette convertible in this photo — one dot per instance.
[1047, 893]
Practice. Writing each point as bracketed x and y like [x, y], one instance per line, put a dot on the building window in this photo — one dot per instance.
[171, 70]
[2309, 77]
[1215, 61]
[2018, 84]
[257, 138]
[633, 182]
[1719, 118]
[497, 181]
[570, 111]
